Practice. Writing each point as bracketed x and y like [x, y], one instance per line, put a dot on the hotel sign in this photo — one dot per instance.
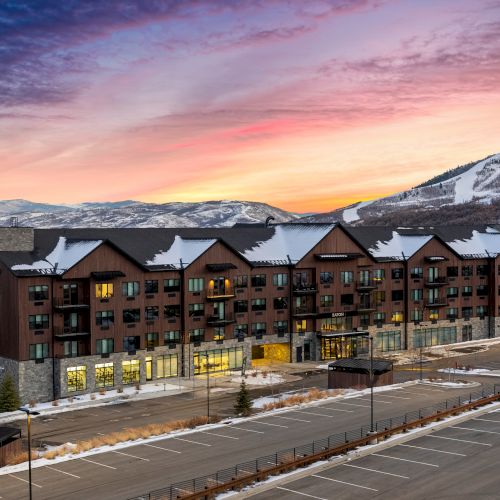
[338, 315]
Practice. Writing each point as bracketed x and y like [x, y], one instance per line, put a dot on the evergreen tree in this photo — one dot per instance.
[9, 397]
[243, 404]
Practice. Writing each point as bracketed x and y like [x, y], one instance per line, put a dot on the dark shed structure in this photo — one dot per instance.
[10, 443]
[355, 373]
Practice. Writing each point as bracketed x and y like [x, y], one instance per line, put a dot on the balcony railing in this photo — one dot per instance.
[436, 302]
[62, 303]
[366, 307]
[305, 288]
[367, 284]
[220, 294]
[70, 331]
[437, 281]
[227, 319]
[305, 311]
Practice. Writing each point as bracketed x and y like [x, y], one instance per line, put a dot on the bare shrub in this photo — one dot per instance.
[55, 402]
[92, 397]
[119, 390]
[32, 403]
[102, 391]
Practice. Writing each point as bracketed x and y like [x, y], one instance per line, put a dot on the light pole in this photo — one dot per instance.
[370, 338]
[28, 414]
[420, 363]
[208, 388]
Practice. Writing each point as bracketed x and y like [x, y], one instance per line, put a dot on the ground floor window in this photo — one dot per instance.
[466, 333]
[217, 360]
[343, 346]
[104, 375]
[167, 366]
[76, 378]
[426, 337]
[389, 341]
[131, 371]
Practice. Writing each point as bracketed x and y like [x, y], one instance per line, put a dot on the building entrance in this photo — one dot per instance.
[339, 346]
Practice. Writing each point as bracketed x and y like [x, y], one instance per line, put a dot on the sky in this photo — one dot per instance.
[305, 105]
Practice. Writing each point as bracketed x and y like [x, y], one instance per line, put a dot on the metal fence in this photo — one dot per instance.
[290, 455]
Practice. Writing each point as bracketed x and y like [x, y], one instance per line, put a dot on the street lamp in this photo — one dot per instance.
[370, 338]
[28, 414]
[208, 387]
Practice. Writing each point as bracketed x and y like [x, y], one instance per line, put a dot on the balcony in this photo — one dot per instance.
[79, 303]
[367, 284]
[436, 302]
[436, 282]
[220, 294]
[305, 311]
[366, 307]
[305, 288]
[70, 331]
[218, 321]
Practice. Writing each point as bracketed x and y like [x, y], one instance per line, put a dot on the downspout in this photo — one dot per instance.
[53, 343]
[491, 295]
[290, 320]
[405, 300]
[183, 323]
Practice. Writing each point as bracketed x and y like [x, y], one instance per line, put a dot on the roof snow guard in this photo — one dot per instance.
[337, 256]
[435, 258]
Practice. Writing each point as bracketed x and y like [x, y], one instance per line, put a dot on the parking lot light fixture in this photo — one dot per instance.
[28, 415]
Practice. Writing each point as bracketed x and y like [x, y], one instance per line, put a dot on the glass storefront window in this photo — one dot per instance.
[104, 375]
[166, 366]
[76, 378]
[217, 360]
[131, 371]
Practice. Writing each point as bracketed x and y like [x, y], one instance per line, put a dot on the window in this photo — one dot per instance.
[452, 271]
[417, 315]
[172, 311]
[378, 274]
[131, 315]
[172, 337]
[76, 378]
[467, 291]
[132, 343]
[346, 277]
[397, 274]
[397, 295]
[364, 320]
[38, 292]
[39, 351]
[240, 306]
[426, 337]
[151, 286]
[326, 277]
[451, 312]
[218, 360]
[151, 313]
[433, 314]
[417, 273]
[481, 311]
[104, 290]
[347, 299]
[389, 341]
[259, 280]
[258, 328]
[240, 281]
[167, 366]
[326, 300]
[482, 269]
[70, 348]
[197, 335]
[397, 317]
[467, 271]
[104, 318]
[196, 284]
[104, 375]
[196, 310]
[301, 326]
[466, 312]
[417, 294]
[219, 333]
[130, 288]
[104, 346]
[280, 302]
[171, 285]
[258, 304]
[280, 327]
[379, 317]
[482, 290]
[240, 331]
[280, 279]
[452, 292]
[131, 372]
[38, 321]
[379, 297]
[152, 339]
[466, 333]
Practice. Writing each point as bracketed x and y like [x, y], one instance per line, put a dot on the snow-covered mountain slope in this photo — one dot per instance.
[137, 214]
[472, 193]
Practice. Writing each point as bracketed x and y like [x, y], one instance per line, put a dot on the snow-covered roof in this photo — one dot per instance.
[478, 243]
[289, 240]
[64, 256]
[399, 245]
[181, 253]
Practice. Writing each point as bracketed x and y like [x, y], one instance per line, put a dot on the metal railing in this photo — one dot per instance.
[334, 444]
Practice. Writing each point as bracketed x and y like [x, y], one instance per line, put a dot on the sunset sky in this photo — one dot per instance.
[306, 105]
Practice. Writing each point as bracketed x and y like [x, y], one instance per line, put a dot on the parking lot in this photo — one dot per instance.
[459, 461]
[125, 472]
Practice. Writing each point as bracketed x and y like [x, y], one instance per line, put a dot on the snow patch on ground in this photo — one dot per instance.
[472, 371]
[255, 377]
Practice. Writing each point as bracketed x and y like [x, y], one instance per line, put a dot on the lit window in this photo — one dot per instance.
[76, 378]
[104, 290]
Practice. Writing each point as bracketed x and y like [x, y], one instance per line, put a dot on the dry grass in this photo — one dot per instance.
[22, 457]
[32, 403]
[297, 399]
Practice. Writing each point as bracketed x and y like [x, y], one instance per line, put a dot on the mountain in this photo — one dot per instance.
[463, 195]
[138, 214]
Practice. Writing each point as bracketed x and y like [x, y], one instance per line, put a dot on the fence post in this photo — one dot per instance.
[276, 461]
[459, 401]
[470, 397]
[345, 437]
[328, 442]
[446, 404]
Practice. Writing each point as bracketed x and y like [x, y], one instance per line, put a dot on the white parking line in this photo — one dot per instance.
[433, 449]
[395, 397]
[374, 470]
[487, 420]
[335, 409]
[192, 442]
[62, 472]
[219, 435]
[267, 423]
[24, 480]
[129, 455]
[343, 482]
[377, 401]
[473, 430]
[350, 404]
[290, 418]
[300, 493]
[161, 448]
[247, 430]
[97, 463]
[312, 413]
[404, 460]
[456, 439]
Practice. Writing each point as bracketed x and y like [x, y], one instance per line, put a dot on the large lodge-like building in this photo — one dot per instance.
[84, 309]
